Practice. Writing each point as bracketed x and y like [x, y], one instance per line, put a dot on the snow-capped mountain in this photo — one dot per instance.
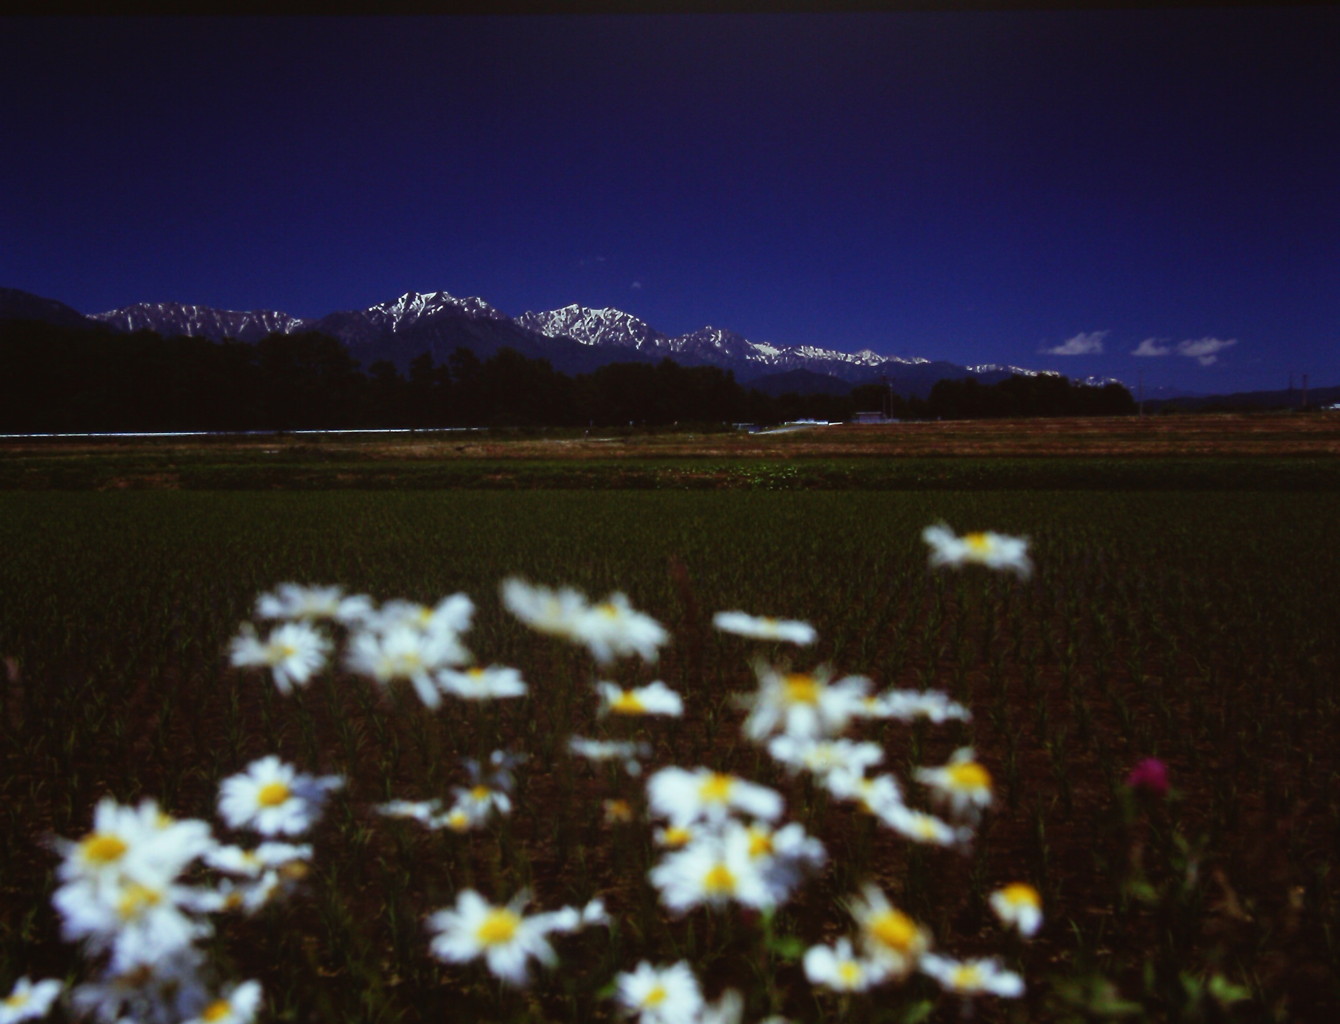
[595, 327]
[574, 338]
[174, 318]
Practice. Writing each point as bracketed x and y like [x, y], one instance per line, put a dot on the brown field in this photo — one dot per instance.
[1226, 434]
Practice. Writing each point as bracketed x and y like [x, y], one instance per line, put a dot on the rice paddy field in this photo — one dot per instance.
[1182, 607]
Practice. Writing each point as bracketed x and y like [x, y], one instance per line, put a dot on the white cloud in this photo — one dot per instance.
[1204, 350]
[1152, 347]
[1090, 344]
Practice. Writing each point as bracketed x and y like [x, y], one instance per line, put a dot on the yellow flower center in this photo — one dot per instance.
[135, 899]
[894, 929]
[1021, 894]
[475, 672]
[966, 977]
[655, 997]
[217, 1010]
[618, 810]
[281, 652]
[15, 1000]
[610, 611]
[924, 826]
[102, 848]
[628, 703]
[458, 821]
[676, 836]
[969, 775]
[801, 688]
[760, 842]
[272, 794]
[980, 543]
[719, 880]
[849, 972]
[498, 927]
[716, 788]
[481, 793]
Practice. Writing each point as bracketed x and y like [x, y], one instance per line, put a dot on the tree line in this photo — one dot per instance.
[55, 379]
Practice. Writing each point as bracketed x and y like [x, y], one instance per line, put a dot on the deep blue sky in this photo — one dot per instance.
[977, 186]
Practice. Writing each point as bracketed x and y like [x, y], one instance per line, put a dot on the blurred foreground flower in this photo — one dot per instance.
[889, 937]
[610, 629]
[993, 550]
[972, 977]
[806, 705]
[272, 798]
[293, 653]
[505, 938]
[295, 601]
[685, 796]
[1018, 905]
[653, 699]
[962, 783]
[237, 1007]
[755, 627]
[660, 995]
[840, 969]
[28, 1000]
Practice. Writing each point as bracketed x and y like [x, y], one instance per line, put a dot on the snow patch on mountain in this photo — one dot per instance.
[173, 318]
[603, 326]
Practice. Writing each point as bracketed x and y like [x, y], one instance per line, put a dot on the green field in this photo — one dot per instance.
[1191, 622]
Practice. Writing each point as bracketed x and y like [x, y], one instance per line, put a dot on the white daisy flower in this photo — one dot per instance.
[994, 550]
[889, 937]
[685, 796]
[825, 757]
[963, 784]
[611, 750]
[422, 811]
[142, 844]
[806, 705]
[756, 627]
[404, 652]
[1018, 905]
[653, 699]
[237, 860]
[879, 795]
[614, 629]
[451, 616]
[236, 1007]
[505, 938]
[781, 855]
[272, 798]
[555, 612]
[840, 969]
[921, 827]
[713, 870]
[295, 601]
[168, 990]
[480, 801]
[972, 977]
[909, 705]
[293, 653]
[474, 683]
[660, 995]
[139, 922]
[29, 1000]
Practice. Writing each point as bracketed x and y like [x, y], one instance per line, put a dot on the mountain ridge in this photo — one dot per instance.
[573, 338]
